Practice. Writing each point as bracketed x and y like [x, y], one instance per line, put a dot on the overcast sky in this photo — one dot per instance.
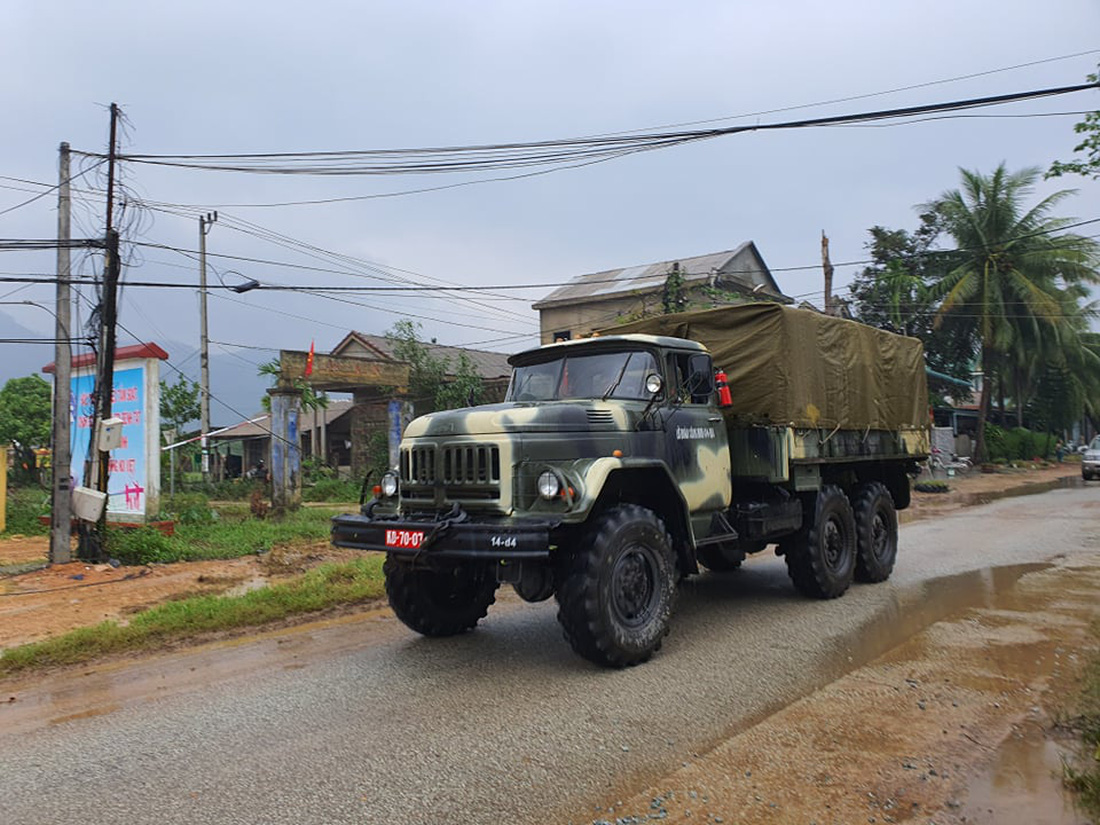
[251, 76]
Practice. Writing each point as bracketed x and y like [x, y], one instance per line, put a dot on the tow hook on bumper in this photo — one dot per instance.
[450, 535]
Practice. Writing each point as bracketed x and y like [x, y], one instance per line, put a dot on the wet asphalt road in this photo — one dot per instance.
[504, 725]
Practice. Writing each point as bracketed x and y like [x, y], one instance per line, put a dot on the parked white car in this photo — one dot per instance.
[1090, 461]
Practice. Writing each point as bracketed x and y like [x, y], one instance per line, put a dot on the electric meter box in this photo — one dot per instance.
[110, 434]
[88, 503]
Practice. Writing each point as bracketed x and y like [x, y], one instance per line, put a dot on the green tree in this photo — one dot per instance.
[25, 412]
[1006, 277]
[179, 403]
[674, 293]
[433, 383]
[1089, 166]
[311, 399]
[894, 293]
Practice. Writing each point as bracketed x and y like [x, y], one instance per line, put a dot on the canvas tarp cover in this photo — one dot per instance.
[796, 367]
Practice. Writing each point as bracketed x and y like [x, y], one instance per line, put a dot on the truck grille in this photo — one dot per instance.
[466, 472]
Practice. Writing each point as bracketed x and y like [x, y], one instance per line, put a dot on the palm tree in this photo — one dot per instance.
[1011, 265]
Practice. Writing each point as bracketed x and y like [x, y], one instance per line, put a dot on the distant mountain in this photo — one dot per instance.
[20, 360]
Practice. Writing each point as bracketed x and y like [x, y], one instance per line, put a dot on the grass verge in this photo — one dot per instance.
[235, 533]
[1084, 780]
[327, 586]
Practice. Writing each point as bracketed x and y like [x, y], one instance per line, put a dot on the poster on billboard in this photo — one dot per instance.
[127, 491]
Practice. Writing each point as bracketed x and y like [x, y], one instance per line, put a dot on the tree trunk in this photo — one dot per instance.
[827, 267]
[983, 406]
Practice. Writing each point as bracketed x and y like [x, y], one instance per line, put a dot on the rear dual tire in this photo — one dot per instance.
[842, 544]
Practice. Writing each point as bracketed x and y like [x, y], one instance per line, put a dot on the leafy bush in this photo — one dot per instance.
[234, 489]
[331, 489]
[995, 442]
[25, 505]
[190, 508]
[139, 545]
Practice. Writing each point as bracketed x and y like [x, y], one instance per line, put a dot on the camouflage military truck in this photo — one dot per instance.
[611, 471]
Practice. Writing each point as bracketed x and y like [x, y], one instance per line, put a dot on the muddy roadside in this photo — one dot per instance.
[959, 724]
[39, 601]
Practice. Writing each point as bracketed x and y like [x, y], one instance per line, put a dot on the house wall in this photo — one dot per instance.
[582, 319]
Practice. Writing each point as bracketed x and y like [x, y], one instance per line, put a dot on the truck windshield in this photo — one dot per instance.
[595, 375]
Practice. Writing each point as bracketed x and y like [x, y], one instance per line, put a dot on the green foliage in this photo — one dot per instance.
[139, 545]
[1089, 166]
[311, 399]
[229, 535]
[1016, 444]
[996, 442]
[189, 508]
[232, 489]
[25, 505]
[895, 293]
[25, 412]
[179, 403]
[1010, 290]
[331, 489]
[377, 452]
[673, 293]
[327, 586]
[433, 383]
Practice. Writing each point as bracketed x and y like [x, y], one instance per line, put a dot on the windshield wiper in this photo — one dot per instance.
[618, 380]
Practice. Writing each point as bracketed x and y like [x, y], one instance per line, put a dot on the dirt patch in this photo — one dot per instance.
[976, 486]
[936, 731]
[58, 598]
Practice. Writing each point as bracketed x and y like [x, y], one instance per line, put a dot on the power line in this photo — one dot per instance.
[53, 188]
[502, 156]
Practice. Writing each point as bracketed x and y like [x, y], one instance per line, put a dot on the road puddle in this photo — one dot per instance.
[1065, 483]
[1024, 785]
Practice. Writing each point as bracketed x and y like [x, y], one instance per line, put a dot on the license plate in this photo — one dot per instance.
[410, 539]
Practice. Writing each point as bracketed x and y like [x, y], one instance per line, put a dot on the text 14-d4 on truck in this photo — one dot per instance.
[611, 471]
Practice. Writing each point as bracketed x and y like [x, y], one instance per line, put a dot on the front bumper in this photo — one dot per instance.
[450, 535]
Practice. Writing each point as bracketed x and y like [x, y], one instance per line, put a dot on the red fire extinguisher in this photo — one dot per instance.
[724, 397]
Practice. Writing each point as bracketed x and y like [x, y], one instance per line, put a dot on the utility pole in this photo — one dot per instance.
[205, 222]
[60, 504]
[827, 265]
[97, 464]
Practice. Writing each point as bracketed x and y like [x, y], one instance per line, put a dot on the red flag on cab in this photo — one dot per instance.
[309, 361]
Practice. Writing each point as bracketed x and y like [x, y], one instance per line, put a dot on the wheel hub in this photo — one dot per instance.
[633, 587]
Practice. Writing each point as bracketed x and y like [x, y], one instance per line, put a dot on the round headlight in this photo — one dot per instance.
[549, 486]
[389, 484]
[653, 383]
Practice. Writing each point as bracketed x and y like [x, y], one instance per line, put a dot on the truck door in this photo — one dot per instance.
[696, 444]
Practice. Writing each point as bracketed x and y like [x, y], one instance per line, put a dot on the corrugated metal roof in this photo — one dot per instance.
[486, 364]
[262, 427]
[645, 278]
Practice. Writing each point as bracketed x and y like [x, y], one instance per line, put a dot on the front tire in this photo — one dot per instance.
[443, 602]
[617, 595]
[821, 560]
[876, 533]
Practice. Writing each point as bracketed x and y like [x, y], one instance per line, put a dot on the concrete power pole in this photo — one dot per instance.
[60, 504]
[205, 222]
